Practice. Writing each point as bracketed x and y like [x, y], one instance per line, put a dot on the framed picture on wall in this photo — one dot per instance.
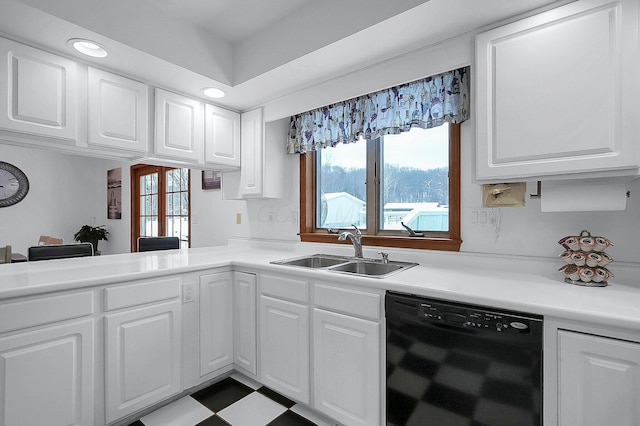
[211, 179]
[114, 193]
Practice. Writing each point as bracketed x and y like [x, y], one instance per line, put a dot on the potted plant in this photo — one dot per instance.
[92, 234]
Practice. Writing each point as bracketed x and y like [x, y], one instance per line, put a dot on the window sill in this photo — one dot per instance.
[444, 244]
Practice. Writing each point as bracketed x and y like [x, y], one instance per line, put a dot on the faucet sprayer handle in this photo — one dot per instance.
[357, 229]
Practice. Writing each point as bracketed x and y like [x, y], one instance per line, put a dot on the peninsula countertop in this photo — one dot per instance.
[527, 285]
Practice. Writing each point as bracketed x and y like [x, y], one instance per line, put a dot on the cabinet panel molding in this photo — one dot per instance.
[38, 91]
[45, 310]
[285, 288]
[118, 111]
[284, 347]
[244, 322]
[47, 376]
[598, 380]
[222, 137]
[347, 368]
[179, 129]
[553, 91]
[126, 296]
[349, 301]
[216, 316]
[143, 357]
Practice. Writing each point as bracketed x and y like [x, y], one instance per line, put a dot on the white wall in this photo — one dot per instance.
[65, 193]
[518, 231]
[213, 221]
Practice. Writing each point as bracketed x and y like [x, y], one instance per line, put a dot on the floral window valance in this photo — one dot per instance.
[424, 103]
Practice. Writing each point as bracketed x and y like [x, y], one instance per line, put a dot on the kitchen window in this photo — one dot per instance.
[161, 203]
[378, 184]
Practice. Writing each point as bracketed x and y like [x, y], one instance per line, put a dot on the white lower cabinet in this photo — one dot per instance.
[244, 322]
[216, 316]
[284, 347]
[346, 370]
[598, 380]
[46, 376]
[143, 357]
[347, 348]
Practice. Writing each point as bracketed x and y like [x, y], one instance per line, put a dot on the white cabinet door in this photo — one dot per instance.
[346, 369]
[244, 321]
[216, 310]
[47, 376]
[179, 127]
[252, 160]
[598, 380]
[265, 168]
[118, 112]
[556, 92]
[222, 137]
[143, 357]
[38, 92]
[284, 347]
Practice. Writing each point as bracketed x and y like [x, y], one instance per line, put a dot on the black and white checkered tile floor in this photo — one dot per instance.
[236, 401]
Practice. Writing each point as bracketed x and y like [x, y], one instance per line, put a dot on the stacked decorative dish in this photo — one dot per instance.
[586, 260]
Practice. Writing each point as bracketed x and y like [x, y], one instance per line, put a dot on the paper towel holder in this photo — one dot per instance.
[538, 193]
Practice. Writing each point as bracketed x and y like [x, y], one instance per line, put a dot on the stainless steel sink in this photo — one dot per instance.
[367, 268]
[313, 261]
[374, 268]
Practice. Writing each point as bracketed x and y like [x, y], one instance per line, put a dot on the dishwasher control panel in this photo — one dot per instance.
[472, 318]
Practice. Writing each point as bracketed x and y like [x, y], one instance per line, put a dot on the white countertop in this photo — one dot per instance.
[528, 285]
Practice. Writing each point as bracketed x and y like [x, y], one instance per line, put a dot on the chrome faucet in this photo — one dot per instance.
[356, 240]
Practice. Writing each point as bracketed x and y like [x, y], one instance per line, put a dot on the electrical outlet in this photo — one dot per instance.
[486, 221]
[188, 290]
[238, 219]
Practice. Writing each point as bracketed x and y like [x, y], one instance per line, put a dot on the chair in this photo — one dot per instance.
[158, 243]
[60, 251]
[46, 240]
[5, 254]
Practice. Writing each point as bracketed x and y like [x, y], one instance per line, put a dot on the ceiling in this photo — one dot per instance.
[255, 50]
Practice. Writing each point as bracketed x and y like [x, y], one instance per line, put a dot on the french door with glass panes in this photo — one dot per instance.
[160, 203]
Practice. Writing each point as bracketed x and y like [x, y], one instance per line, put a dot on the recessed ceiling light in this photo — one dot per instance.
[88, 47]
[213, 92]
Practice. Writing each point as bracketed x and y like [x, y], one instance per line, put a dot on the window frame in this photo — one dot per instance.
[451, 242]
[137, 171]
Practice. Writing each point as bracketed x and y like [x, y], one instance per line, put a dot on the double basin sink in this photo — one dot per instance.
[374, 268]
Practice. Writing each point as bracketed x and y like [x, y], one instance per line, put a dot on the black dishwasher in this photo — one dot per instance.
[452, 364]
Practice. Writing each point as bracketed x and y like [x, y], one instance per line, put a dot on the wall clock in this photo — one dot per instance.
[14, 184]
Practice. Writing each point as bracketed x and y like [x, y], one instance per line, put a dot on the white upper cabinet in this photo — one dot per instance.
[252, 162]
[264, 166]
[118, 112]
[222, 137]
[179, 127]
[557, 93]
[38, 93]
